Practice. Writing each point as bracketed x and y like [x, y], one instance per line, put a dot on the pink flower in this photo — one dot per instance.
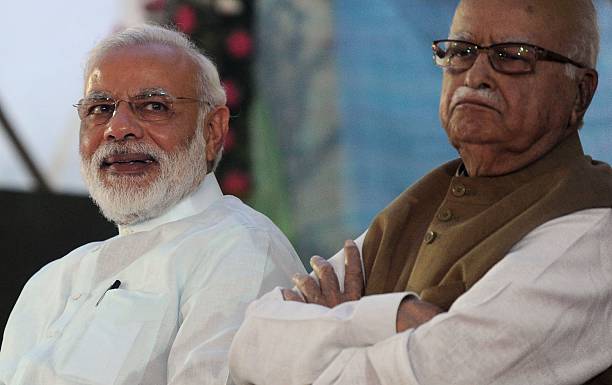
[235, 182]
[185, 19]
[233, 93]
[239, 44]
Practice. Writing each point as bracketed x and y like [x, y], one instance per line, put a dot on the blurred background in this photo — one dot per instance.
[334, 107]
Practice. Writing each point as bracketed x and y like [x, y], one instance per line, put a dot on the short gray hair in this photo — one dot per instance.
[210, 88]
[584, 46]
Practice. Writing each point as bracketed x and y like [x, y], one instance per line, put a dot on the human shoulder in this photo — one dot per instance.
[231, 242]
[52, 282]
[561, 247]
[244, 214]
[230, 230]
[230, 214]
[58, 268]
[565, 231]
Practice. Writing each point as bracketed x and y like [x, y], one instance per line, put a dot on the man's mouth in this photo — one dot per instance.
[474, 102]
[128, 163]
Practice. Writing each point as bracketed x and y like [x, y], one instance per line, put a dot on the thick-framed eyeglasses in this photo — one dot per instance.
[507, 58]
[150, 107]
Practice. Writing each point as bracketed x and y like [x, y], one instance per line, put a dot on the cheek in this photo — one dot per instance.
[167, 139]
[528, 110]
[172, 137]
[445, 98]
[88, 143]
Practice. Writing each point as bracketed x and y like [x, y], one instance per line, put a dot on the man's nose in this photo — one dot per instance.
[480, 74]
[123, 124]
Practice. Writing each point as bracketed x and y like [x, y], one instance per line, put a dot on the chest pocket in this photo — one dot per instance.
[122, 333]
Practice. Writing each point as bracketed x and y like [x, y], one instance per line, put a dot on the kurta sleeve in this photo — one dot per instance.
[243, 264]
[275, 329]
[540, 316]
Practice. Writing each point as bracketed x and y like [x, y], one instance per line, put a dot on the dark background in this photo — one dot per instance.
[37, 228]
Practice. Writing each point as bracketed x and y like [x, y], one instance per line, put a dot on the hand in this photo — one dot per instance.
[413, 312]
[327, 291]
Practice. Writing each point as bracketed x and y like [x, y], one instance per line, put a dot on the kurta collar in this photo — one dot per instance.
[207, 193]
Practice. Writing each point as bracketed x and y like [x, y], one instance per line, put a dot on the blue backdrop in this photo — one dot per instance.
[389, 91]
[347, 110]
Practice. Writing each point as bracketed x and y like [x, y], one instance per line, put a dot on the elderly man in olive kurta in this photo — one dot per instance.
[495, 268]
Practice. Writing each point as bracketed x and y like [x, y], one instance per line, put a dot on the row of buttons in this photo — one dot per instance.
[445, 215]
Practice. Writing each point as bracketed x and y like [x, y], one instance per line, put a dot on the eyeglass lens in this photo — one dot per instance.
[507, 58]
[149, 108]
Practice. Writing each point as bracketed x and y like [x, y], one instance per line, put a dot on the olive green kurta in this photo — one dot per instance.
[441, 235]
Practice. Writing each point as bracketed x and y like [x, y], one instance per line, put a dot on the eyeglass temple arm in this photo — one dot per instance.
[552, 56]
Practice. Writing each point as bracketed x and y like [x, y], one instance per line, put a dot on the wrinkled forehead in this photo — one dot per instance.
[132, 69]
[542, 22]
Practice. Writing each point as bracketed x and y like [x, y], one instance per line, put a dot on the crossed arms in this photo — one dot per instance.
[540, 316]
[411, 312]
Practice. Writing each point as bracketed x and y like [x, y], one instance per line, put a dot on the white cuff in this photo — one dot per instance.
[374, 317]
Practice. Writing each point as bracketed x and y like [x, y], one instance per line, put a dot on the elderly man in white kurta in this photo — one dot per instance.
[160, 302]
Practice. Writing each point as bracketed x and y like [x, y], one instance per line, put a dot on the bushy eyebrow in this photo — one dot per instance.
[95, 95]
[157, 91]
[516, 39]
[466, 36]
[143, 93]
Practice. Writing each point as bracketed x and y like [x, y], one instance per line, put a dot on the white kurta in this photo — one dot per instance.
[186, 279]
[542, 315]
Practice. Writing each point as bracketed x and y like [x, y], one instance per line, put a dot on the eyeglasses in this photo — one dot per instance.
[149, 107]
[507, 58]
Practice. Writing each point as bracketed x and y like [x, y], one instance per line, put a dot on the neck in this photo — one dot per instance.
[495, 160]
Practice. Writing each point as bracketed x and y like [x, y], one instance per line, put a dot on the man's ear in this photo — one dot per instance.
[217, 125]
[586, 89]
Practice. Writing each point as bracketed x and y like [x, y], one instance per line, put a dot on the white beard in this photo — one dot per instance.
[122, 198]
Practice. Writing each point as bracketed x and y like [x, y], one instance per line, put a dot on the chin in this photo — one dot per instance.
[475, 132]
[132, 198]
[137, 181]
[125, 203]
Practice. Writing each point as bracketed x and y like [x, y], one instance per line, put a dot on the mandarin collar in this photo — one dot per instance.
[568, 153]
[207, 193]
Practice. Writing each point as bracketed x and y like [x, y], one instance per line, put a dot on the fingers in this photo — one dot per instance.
[309, 288]
[353, 276]
[328, 281]
[327, 292]
[290, 295]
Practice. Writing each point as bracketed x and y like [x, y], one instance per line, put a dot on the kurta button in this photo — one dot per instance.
[430, 236]
[445, 215]
[458, 190]
[76, 296]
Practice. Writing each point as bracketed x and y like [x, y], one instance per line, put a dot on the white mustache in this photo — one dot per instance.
[483, 96]
[115, 148]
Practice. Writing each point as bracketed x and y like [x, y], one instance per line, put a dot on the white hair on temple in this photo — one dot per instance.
[584, 47]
